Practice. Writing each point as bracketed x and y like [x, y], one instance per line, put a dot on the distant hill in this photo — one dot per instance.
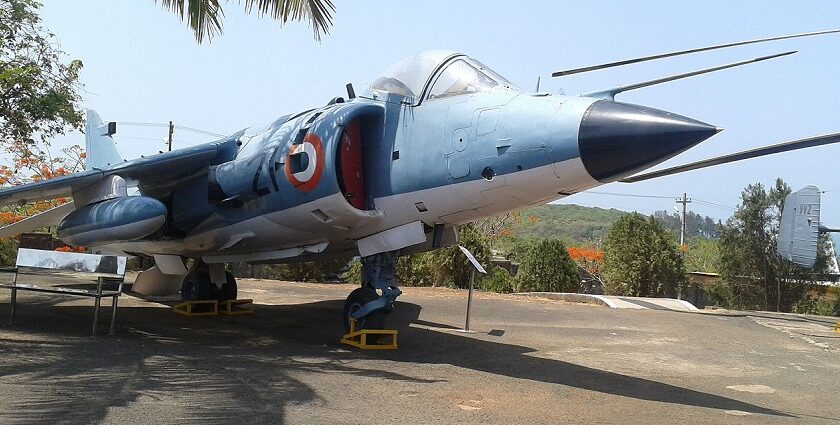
[569, 223]
[577, 224]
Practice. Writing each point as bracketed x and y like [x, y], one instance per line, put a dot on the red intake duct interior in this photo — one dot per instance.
[351, 166]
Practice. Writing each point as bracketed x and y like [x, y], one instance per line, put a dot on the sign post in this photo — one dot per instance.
[476, 266]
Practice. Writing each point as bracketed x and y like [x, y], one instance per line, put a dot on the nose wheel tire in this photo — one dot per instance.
[354, 302]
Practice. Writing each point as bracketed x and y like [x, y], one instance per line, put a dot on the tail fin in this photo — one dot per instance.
[100, 148]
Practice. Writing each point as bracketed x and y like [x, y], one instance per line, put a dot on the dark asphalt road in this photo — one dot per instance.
[531, 361]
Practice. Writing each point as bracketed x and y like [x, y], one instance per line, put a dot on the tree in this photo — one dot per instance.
[695, 224]
[703, 255]
[417, 270]
[38, 91]
[498, 280]
[38, 100]
[754, 275]
[588, 258]
[452, 265]
[205, 17]
[548, 268]
[641, 258]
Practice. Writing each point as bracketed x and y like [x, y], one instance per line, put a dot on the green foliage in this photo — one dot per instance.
[205, 16]
[452, 265]
[574, 224]
[498, 280]
[354, 272]
[39, 91]
[309, 271]
[8, 252]
[641, 258]
[417, 270]
[695, 224]
[519, 248]
[816, 304]
[719, 291]
[703, 255]
[756, 277]
[580, 225]
[548, 268]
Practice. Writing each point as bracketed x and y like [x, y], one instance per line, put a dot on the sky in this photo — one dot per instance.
[141, 64]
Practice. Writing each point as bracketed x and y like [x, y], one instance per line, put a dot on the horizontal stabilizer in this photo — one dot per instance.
[685, 52]
[799, 227]
[50, 217]
[610, 93]
[826, 139]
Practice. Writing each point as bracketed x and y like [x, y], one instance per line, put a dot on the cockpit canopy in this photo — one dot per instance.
[438, 73]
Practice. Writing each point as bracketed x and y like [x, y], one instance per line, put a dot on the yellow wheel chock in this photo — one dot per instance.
[192, 309]
[359, 338]
[837, 327]
[199, 308]
[236, 307]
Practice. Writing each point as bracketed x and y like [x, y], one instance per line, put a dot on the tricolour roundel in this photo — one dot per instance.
[305, 163]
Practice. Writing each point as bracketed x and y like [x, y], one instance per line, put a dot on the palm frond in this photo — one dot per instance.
[317, 12]
[203, 16]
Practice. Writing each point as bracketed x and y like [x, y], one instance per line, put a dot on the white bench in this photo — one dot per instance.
[52, 263]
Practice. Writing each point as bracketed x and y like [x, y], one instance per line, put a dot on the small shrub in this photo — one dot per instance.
[8, 252]
[813, 304]
[548, 268]
[498, 280]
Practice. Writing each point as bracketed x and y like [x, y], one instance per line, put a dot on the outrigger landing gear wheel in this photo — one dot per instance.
[228, 291]
[354, 302]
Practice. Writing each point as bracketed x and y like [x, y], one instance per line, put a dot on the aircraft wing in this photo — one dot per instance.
[152, 172]
[49, 189]
[50, 217]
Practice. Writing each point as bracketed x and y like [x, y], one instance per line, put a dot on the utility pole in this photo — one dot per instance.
[685, 200]
[172, 130]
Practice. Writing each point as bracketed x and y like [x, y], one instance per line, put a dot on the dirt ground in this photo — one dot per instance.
[529, 361]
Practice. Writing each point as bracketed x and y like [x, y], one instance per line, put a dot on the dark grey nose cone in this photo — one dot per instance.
[618, 139]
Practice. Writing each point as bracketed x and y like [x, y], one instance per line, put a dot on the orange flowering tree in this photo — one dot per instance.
[66, 248]
[587, 257]
[501, 226]
[27, 164]
[39, 99]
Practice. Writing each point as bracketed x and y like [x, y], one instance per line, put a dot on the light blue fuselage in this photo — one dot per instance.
[444, 141]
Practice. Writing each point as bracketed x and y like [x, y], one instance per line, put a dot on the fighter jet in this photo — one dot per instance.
[437, 141]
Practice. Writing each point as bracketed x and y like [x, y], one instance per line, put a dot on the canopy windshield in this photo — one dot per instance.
[408, 76]
[460, 75]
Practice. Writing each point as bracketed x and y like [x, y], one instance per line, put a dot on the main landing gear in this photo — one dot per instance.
[367, 306]
[197, 284]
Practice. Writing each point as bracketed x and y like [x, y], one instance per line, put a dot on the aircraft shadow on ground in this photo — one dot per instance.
[215, 368]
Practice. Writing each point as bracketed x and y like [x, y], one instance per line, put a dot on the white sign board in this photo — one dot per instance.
[472, 259]
[106, 265]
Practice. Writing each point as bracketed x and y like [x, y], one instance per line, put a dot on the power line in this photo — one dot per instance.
[629, 195]
[195, 130]
[141, 124]
[633, 195]
[136, 138]
[162, 125]
[712, 204]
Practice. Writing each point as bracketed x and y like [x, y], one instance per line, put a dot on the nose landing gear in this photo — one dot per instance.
[354, 303]
[367, 306]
